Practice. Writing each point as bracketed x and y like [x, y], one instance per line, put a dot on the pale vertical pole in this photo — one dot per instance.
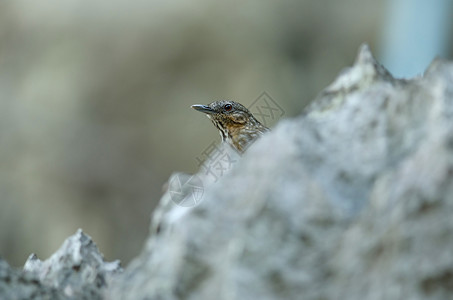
[414, 32]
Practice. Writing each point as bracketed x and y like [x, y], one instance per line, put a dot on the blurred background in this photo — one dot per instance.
[95, 96]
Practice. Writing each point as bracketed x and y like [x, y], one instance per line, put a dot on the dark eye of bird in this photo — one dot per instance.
[227, 107]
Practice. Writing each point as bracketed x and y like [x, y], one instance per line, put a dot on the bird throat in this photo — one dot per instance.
[222, 128]
[233, 135]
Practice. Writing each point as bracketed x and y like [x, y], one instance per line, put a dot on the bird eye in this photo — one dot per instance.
[227, 107]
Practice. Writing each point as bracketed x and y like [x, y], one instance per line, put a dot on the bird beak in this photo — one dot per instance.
[203, 108]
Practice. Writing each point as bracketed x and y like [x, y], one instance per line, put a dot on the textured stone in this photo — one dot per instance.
[15, 284]
[351, 200]
[76, 271]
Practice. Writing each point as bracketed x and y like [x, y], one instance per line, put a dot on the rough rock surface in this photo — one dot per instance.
[15, 284]
[351, 200]
[76, 271]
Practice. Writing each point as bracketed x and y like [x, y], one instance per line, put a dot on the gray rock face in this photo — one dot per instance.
[352, 200]
[15, 284]
[76, 271]
[77, 268]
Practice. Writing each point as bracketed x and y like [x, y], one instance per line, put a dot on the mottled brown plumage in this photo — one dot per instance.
[237, 126]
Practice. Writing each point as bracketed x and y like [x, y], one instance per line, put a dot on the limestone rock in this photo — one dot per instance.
[351, 200]
[15, 284]
[77, 270]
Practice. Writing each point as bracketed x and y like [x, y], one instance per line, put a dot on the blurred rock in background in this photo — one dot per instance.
[95, 96]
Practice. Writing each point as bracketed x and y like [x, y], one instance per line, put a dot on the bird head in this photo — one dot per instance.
[235, 122]
[227, 113]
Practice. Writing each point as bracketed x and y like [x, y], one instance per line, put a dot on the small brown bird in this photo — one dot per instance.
[237, 126]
